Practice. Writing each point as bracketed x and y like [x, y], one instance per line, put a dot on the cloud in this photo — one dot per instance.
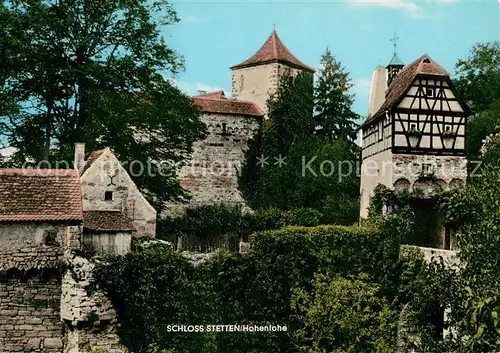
[410, 9]
[193, 88]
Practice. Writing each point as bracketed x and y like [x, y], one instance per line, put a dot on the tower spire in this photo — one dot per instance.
[395, 65]
[395, 40]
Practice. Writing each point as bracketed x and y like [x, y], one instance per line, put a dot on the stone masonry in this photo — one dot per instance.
[211, 173]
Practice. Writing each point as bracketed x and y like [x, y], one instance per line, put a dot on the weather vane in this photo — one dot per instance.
[395, 40]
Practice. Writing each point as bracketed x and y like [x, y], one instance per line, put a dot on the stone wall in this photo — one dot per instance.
[88, 313]
[448, 172]
[211, 173]
[26, 246]
[29, 312]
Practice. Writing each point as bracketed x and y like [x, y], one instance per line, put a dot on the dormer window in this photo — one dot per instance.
[108, 196]
[429, 92]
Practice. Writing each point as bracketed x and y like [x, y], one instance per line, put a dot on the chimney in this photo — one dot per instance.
[79, 155]
[377, 90]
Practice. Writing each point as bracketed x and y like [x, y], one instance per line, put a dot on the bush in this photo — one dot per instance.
[154, 288]
[344, 315]
[206, 228]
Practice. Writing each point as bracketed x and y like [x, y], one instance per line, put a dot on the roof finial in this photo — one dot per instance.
[274, 27]
[395, 40]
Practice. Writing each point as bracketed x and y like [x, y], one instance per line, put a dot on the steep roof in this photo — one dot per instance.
[273, 50]
[40, 195]
[395, 60]
[90, 158]
[403, 81]
[217, 102]
[111, 221]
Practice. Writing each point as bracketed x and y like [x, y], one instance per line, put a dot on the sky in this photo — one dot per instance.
[214, 35]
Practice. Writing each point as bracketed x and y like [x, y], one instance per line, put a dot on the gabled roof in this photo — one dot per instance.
[110, 221]
[216, 102]
[403, 81]
[273, 50]
[90, 158]
[40, 195]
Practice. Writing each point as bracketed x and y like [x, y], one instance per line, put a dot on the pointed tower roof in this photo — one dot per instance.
[273, 50]
[396, 61]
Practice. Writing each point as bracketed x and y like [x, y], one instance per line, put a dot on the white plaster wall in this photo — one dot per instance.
[107, 174]
[376, 169]
[257, 83]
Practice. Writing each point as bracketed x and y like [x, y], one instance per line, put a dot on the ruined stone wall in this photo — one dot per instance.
[29, 312]
[211, 173]
[88, 313]
[106, 174]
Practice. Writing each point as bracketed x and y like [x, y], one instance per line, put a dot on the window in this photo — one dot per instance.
[447, 128]
[108, 196]
[413, 127]
[224, 129]
[429, 92]
[51, 238]
[427, 169]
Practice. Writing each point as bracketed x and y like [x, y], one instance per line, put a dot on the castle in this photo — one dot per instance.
[413, 138]
[211, 174]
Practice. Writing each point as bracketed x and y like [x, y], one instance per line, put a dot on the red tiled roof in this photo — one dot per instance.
[216, 102]
[403, 81]
[40, 195]
[274, 50]
[111, 221]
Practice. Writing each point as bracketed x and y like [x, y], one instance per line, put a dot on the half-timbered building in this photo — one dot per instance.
[414, 136]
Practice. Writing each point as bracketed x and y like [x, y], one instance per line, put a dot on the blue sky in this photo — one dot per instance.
[214, 35]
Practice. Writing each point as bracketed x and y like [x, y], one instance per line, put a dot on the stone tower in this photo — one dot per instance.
[257, 78]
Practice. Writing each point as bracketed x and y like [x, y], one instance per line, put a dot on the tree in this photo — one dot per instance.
[288, 166]
[478, 83]
[290, 114]
[332, 100]
[478, 79]
[94, 71]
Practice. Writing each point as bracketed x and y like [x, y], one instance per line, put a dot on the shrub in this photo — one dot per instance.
[344, 315]
[154, 288]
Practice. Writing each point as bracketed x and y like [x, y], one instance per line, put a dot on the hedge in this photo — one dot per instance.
[154, 288]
